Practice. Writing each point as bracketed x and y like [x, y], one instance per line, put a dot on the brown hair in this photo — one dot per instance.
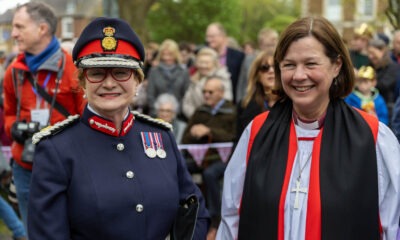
[254, 87]
[322, 30]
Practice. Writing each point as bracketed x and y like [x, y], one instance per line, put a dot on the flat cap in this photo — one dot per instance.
[108, 42]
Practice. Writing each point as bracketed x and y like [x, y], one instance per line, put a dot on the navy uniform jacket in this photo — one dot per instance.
[90, 185]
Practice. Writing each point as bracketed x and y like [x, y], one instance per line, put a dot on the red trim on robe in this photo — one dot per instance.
[306, 138]
[258, 121]
[373, 123]
[313, 218]
[289, 165]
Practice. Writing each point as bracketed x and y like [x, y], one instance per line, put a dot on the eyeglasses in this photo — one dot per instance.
[208, 92]
[162, 110]
[264, 68]
[96, 75]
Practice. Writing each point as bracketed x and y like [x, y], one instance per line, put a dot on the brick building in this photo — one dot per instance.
[346, 15]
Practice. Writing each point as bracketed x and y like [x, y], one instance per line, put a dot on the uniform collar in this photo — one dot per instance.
[101, 124]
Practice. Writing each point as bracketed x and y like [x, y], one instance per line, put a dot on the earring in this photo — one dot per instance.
[84, 96]
[335, 81]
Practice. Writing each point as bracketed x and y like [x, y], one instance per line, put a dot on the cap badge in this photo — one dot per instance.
[109, 43]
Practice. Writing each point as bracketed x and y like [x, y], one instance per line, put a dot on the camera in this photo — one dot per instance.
[28, 152]
[29, 128]
[22, 132]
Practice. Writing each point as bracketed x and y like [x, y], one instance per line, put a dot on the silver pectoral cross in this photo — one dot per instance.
[298, 190]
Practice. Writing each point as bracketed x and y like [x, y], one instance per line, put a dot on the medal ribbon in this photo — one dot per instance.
[159, 141]
[147, 140]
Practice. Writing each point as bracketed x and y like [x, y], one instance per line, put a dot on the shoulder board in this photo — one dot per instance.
[56, 128]
[155, 121]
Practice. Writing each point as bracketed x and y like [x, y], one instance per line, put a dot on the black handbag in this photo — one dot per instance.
[185, 221]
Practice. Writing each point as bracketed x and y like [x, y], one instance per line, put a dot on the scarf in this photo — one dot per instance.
[343, 190]
[35, 61]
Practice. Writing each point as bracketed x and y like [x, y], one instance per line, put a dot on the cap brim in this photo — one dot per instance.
[108, 62]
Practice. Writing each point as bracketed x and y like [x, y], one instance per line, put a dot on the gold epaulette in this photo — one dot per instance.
[155, 121]
[56, 128]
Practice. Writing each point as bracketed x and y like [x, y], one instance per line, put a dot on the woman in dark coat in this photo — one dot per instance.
[111, 173]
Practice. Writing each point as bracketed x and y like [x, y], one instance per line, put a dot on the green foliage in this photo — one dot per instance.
[187, 20]
[280, 22]
[275, 14]
[392, 13]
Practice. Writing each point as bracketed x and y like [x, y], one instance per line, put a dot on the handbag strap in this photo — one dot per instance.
[47, 97]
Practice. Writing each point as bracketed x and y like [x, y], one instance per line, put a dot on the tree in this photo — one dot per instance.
[187, 20]
[135, 13]
[392, 12]
[258, 14]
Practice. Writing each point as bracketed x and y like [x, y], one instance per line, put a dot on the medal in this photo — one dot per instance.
[150, 152]
[148, 144]
[160, 148]
[161, 153]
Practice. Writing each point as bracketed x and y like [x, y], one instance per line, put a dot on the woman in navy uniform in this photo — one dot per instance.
[109, 174]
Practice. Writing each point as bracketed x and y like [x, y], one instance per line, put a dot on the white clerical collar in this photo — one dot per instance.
[309, 125]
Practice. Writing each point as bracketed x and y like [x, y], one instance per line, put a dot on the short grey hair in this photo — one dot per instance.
[41, 12]
[166, 98]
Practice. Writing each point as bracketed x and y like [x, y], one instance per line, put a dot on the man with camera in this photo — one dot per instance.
[40, 88]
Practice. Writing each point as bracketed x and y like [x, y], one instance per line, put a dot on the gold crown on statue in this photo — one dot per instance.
[366, 72]
[364, 30]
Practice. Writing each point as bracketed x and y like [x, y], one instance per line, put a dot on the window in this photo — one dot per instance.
[366, 9]
[67, 28]
[333, 10]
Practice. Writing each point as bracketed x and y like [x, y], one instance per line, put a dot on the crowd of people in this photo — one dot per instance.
[96, 127]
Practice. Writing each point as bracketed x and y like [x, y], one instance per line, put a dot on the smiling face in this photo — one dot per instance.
[205, 65]
[307, 75]
[110, 97]
[167, 57]
[375, 55]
